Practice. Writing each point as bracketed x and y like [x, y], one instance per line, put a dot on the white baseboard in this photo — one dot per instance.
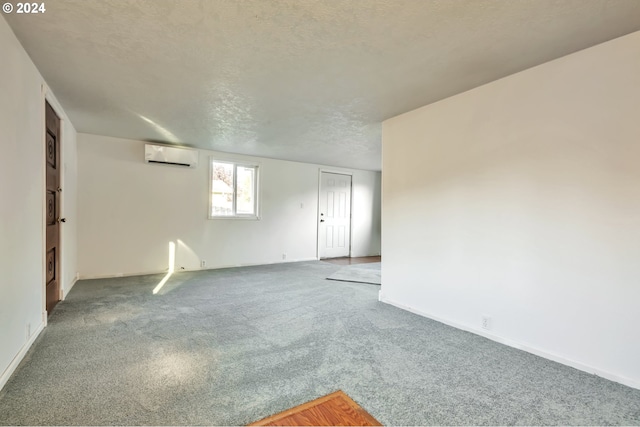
[511, 343]
[288, 261]
[18, 358]
[67, 289]
[217, 267]
[113, 276]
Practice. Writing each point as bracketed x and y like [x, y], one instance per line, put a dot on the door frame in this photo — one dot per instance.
[47, 96]
[338, 172]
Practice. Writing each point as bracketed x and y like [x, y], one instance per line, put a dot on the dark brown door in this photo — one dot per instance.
[52, 258]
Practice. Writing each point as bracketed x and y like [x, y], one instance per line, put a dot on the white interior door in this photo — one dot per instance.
[334, 232]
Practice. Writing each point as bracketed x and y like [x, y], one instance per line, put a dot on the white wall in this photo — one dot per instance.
[366, 226]
[69, 201]
[130, 211]
[22, 297]
[520, 200]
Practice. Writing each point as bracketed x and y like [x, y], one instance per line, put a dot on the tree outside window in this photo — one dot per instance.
[233, 190]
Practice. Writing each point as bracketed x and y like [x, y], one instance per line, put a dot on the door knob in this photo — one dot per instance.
[59, 190]
[322, 220]
[62, 219]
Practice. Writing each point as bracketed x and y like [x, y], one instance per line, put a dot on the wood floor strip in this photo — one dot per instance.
[355, 260]
[335, 409]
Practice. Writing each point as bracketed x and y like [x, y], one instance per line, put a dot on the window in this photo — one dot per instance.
[234, 190]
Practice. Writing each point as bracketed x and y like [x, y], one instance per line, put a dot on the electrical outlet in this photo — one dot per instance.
[486, 322]
[203, 263]
[284, 256]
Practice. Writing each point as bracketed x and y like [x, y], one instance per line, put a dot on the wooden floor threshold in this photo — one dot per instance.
[354, 260]
[335, 409]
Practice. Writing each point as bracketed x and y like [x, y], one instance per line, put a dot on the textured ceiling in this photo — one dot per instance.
[305, 80]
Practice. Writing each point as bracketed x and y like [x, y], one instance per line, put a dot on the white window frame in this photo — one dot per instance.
[256, 187]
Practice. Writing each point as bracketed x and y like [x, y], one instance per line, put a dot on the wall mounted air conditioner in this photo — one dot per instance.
[166, 155]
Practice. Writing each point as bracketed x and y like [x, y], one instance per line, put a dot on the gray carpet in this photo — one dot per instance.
[232, 346]
[359, 273]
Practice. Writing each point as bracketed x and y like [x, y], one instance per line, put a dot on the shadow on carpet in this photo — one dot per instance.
[359, 273]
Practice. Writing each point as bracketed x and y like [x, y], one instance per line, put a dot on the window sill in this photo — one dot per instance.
[245, 218]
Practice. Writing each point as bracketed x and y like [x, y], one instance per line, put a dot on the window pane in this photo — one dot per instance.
[246, 183]
[222, 189]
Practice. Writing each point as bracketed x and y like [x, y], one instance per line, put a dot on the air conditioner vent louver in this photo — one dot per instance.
[169, 163]
[167, 155]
